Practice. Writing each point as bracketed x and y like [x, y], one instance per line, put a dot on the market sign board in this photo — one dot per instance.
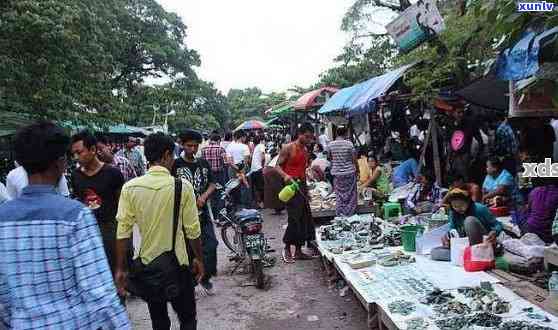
[416, 24]
[538, 100]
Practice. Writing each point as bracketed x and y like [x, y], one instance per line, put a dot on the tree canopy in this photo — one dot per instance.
[95, 61]
[475, 32]
[89, 60]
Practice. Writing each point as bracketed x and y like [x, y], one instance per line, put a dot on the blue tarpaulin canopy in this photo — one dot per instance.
[522, 60]
[360, 98]
[338, 102]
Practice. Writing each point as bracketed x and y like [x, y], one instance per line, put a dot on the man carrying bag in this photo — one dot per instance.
[166, 214]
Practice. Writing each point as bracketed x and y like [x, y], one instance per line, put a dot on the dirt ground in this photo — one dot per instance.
[299, 297]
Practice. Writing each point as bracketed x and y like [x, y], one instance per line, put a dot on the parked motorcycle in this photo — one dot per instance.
[241, 231]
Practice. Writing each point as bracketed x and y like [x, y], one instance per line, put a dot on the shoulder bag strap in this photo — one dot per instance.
[176, 210]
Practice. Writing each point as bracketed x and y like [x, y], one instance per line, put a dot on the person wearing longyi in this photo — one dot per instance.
[291, 166]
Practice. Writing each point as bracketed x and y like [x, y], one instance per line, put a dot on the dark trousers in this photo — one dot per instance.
[216, 202]
[184, 306]
[300, 225]
[510, 164]
[209, 249]
[108, 234]
[460, 164]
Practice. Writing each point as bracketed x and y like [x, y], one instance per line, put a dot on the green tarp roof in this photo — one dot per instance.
[282, 110]
[125, 129]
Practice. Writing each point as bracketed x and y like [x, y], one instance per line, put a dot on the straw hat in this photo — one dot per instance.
[457, 193]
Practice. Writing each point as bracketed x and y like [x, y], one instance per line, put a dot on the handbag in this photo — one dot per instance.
[161, 279]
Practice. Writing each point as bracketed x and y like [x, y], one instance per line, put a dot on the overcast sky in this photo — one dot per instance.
[271, 44]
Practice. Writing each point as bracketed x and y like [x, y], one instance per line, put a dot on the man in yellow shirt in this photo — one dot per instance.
[148, 201]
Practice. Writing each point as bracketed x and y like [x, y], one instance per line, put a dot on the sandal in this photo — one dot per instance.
[287, 259]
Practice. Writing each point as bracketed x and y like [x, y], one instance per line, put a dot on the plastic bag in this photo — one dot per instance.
[529, 246]
[457, 249]
[479, 258]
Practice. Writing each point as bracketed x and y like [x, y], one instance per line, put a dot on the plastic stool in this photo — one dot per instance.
[392, 210]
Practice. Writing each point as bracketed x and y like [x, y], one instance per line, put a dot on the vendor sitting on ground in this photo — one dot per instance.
[363, 166]
[425, 196]
[406, 172]
[377, 180]
[473, 189]
[541, 210]
[470, 219]
[499, 187]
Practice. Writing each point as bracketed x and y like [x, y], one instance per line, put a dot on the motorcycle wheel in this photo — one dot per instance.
[258, 267]
[227, 234]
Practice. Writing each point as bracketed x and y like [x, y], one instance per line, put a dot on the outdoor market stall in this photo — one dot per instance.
[357, 105]
[403, 290]
[323, 201]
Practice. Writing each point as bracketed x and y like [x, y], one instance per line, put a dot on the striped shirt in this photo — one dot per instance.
[215, 155]
[341, 152]
[54, 273]
[125, 167]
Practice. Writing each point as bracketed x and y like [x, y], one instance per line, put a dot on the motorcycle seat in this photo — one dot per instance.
[247, 214]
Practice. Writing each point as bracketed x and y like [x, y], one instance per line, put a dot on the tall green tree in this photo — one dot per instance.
[358, 63]
[81, 59]
[251, 103]
[475, 32]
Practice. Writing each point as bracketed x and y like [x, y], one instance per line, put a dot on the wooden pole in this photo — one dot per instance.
[432, 137]
[425, 146]
[436, 154]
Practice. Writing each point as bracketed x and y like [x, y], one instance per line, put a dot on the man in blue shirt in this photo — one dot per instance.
[54, 273]
[406, 172]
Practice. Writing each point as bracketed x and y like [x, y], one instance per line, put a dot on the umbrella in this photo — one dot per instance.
[487, 92]
[250, 124]
[315, 98]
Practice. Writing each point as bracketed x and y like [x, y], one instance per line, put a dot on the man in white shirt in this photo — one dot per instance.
[17, 180]
[256, 176]
[323, 139]
[239, 151]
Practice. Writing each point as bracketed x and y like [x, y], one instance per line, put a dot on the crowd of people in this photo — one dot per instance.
[76, 245]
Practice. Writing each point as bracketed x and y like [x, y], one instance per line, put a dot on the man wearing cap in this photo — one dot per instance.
[135, 156]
